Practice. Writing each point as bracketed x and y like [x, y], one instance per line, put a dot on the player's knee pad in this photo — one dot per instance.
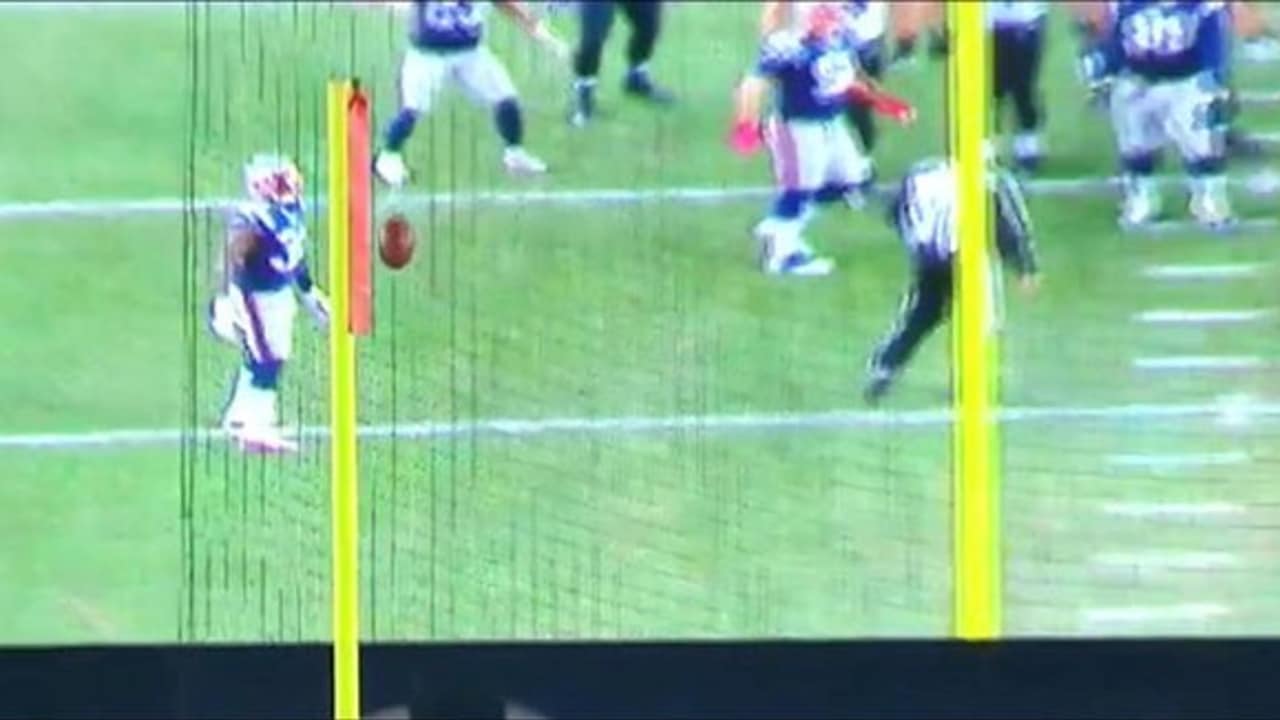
[791, 204]
[264, 375]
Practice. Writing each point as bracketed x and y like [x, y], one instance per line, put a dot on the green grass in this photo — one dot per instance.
[525, 312]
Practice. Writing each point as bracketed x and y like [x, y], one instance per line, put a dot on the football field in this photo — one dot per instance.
[585, 414]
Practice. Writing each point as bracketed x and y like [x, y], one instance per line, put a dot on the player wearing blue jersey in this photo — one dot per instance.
[446, 46]
[266, 272]
[1164, 63]
[812, 71]
[923, 212]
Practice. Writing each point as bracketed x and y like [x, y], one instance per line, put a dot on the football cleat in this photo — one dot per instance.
[1028, 152]
[801, 263]
[519, 161]
[638, 84]
[1212, 210]
[1140, 206]
[390, 168]
[583, 106]
[264, 441]
[877, 386]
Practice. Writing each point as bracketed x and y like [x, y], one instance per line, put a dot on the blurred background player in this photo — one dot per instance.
[1163, 62]
[595, 20]
[446, 45]
[265, 267]
[1018, 45]
[923, 213]
[912, 18]
[866, 23]
[811, 69]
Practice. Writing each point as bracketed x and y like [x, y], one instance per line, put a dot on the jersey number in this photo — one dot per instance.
[1155, 33]
[832, 74]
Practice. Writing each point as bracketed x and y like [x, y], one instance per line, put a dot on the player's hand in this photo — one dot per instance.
[1029, 284]
[318, 305]
[747, 138]
[883, 103]
[553, 44]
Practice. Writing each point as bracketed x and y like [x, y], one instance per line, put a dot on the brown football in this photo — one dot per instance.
[396, 247]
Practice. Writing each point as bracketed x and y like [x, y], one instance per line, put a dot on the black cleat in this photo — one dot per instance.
[876, 388]
[640, 85]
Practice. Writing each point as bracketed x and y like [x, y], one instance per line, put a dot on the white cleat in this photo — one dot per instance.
[1139, 208]
[260, 439]
[800, 264]
[519, 161]
[1211, 210]
[390, 168]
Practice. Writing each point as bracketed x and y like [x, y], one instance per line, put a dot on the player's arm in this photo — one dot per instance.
[773, 16]
[533, 26]
[241, 242]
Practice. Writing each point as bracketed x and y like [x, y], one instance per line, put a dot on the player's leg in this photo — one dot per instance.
[796, 149]
[1026, 48]
[1194, 121]
[645, 17]
[421, 76]
[486, 81]
[1139, 134]
[923, 308]
[871, 59]
[1001, 77]
[849, 172]
[595, 18]
[251, 414]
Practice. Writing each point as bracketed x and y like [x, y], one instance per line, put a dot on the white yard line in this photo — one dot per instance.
[1202, 317]
[1172, 510]
[1242, 226]
[1259, 97]
[1166, 560]
[1108, 617]
[129, 207]
[1199, 362]
[1224, 271]
[639, 425]
[1175, 461]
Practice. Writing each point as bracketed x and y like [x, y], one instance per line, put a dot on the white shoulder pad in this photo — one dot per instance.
[782, 45]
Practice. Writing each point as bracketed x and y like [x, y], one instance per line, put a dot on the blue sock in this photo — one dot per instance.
[790, 204]
[833, 192]
[510, 122]
[1207, 166]
[400, 129]
[265, 375]
[1142, 165]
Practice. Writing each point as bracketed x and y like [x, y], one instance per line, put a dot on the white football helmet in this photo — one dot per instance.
[272, 178]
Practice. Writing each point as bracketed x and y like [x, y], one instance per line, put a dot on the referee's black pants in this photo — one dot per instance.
[924, 307]
[870, 58]
[645, 18]
[1018, 52]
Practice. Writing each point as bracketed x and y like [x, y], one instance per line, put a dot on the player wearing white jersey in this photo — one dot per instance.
[447, 47]
[1164, 63]
[923, 212]
[866, 22]
[1017, 28]
[814, 76]
[265, 269]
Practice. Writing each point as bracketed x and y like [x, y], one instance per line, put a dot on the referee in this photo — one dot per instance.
[595, 21]
[923, 212]
[1018, 44]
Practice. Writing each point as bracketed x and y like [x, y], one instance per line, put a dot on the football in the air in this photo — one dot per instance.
[396, 247]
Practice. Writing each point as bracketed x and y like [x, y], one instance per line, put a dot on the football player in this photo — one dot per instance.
[1163, 61]
[1018, 42]
[595, 20]
[924, 214]
[265, 274]
[811, 69]
[446, 46]
[867, 20]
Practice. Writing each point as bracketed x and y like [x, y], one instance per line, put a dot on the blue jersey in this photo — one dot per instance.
[812, 77]
[447, 25]
[1166, 40]
[276, 260]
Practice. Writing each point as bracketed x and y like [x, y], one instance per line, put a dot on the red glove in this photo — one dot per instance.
[747, 137]
[883, 103]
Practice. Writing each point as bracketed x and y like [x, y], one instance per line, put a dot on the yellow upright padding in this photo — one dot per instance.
[976, 521]
[342, 408]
